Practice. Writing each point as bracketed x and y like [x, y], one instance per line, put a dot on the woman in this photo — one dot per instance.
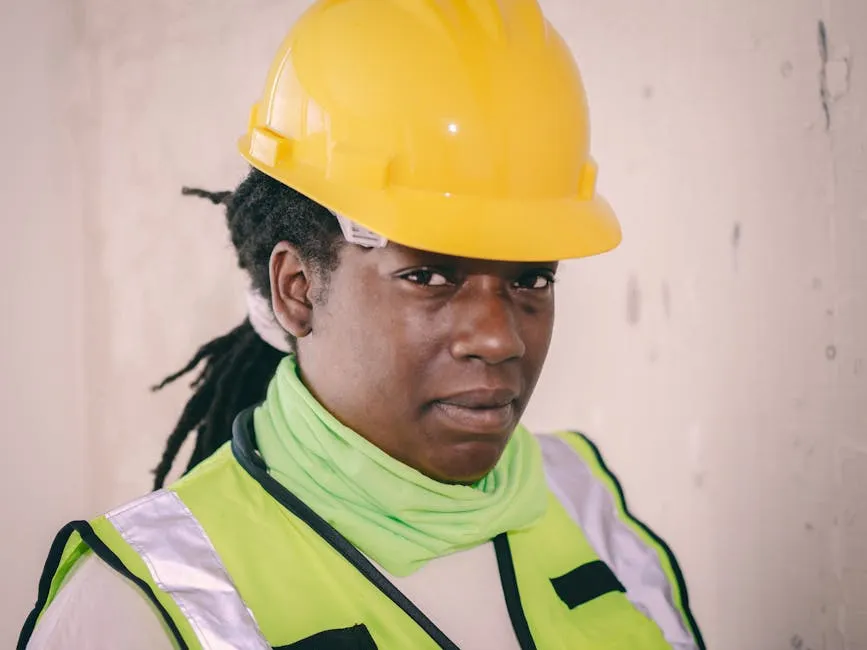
[418, 170]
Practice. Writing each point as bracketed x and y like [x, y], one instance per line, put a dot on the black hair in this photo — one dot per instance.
[237, 367]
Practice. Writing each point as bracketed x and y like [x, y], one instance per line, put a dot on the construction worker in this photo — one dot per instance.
[360, 478]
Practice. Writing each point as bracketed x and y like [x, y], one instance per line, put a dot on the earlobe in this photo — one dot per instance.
[290, 288]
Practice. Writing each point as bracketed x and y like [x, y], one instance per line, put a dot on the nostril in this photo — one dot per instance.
[490, 347]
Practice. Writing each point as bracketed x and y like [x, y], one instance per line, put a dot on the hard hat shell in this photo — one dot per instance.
[458, 127]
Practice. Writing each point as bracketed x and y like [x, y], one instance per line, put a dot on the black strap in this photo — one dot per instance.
[587, 582]
[350, 638]
[510, 591]
[104, 553]
[245, 453]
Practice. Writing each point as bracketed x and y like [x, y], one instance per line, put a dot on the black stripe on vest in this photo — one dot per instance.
[351, 638]
[587, 582]
[509, 580]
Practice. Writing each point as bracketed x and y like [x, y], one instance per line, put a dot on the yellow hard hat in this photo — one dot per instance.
[457, 127]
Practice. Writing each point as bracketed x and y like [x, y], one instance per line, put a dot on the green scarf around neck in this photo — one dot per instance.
[398, 517]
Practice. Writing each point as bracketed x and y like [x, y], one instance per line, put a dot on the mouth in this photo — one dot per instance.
[479, 411]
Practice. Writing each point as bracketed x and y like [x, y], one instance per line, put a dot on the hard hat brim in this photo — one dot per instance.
[504, 229]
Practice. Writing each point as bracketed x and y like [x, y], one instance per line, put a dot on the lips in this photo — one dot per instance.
[480, 410]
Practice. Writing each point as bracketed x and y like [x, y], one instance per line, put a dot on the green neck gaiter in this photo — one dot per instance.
[395, 515]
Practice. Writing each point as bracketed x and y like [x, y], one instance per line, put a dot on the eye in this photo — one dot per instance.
[426, 278]
[536, 281]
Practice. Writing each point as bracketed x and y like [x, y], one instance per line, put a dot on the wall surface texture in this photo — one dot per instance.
[43, 230]
[719, 357]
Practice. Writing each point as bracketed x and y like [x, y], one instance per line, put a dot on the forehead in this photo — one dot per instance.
[396, 256]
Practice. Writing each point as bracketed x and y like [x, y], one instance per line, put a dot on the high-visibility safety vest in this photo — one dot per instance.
[231, 559]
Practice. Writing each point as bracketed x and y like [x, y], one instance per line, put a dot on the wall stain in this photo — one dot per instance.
[698, 480]
[817, 284]
[786, 68]
[648, 91]
[824, 95]
[797, 643]
[834, 74]
[736, 242]
[666, 300]
[633, 301]
[858, 366]
[831, 352]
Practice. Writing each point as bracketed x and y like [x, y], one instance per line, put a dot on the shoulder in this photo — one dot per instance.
[99, 609]
[553, 444]
[575, 465]
[581, 480]
[575, 469]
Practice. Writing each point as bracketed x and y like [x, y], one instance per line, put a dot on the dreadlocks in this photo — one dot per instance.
[237, 367]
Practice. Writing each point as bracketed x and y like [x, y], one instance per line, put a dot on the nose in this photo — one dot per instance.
[486, 326]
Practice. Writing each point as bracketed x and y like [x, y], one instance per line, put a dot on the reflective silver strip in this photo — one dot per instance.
[592, 506]
[184, 564]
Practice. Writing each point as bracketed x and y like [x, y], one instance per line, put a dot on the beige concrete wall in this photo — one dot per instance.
[43, 463]
[719, 357]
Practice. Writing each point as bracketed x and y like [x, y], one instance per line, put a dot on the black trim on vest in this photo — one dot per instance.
[52, 563]
[511, 593]
[585, 583]
[351, 638]
[104, 553]
[675, 567]
[244, 450]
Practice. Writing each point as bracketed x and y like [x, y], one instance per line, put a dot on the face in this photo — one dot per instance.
[432, 358]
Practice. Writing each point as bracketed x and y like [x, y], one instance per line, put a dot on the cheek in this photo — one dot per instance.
[375, 349]
[537, 332]
[537, 325]
[399, 350]
[545, 334]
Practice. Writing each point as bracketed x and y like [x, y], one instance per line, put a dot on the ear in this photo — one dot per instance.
[290, 290]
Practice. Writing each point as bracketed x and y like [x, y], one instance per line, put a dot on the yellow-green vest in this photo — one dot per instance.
[231, 559]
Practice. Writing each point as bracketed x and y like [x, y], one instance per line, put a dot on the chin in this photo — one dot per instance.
[467, 462]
